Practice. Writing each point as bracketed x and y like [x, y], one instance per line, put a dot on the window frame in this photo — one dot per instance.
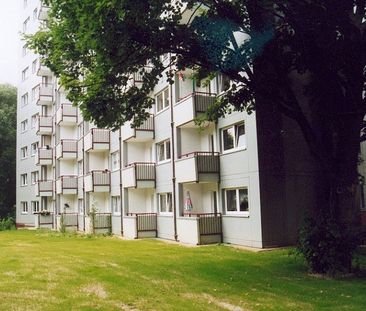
[34, 120]
[164, 100]
[24, 152]
[116, 205]
[237, 212]
[116, 166]
[24, 100]
[235, 128]
[163, 143]
[34, 180]
[24, 210]
[32, 149]
[35, 208]
[24, 180]
[169, 209]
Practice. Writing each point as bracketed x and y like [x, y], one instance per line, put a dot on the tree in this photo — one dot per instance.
[8, 100]
[303, 58]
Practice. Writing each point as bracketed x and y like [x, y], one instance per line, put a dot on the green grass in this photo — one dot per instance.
[42, 270]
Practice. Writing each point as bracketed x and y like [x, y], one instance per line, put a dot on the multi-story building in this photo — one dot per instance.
[225, 181]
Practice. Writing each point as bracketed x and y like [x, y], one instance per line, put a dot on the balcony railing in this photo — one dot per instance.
[144, 132]
[67, 184]
[44, 188]
[138, 77]
[43, 12]
[97, 139]
[44, 156]
[66, 114]
[67, 149]
[43, 70]
[69, 220]
[44, 94]
[45, 125]
[198, 166]
[145, 222]
[190, 106]
[139, 175]
[98, 181]
[102, 221]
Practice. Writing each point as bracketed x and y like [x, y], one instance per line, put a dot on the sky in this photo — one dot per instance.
[9, 40]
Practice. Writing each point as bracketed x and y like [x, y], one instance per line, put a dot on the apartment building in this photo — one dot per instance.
[225, 181]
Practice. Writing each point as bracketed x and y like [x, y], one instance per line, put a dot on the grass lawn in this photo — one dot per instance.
[42, 270]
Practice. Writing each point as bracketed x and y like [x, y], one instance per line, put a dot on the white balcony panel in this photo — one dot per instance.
[97, 181]
[185, 170]
[97, 140]
[189, 107]
[67, 185]
[43, 70]
[44, 188]
[44, 94]
[45, 125]
[66, 150]
[44, 156]
[43, 12]
[66, 115]
[143, 133]
[139, 175]
[80, 187]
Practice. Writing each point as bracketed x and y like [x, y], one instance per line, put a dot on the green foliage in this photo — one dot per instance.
[7, 223]
[327, 245]
[8, 99]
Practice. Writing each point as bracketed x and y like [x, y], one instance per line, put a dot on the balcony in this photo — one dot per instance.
[43, 12]
[198, 167]
[137, 77]
[67, 185]
[203, 228]
[139, 175]
[97, 140]
[98, 181]
[143, 133]
[44, 188]
[190, 106]
[66, 149]
[44, 94]
[43, 70]
[44, 156]
[45, 125]
[140, 225]
[66, 115]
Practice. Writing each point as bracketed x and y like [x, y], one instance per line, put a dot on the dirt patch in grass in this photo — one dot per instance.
[95, 289]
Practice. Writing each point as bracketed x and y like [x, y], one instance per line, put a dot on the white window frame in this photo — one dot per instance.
[25, 74]
[24, 152]
[34, 120]
[34, 150]
[34, 177]
[24, 126]
[35, 14]
[24, 100]
[35, 207]
[80, 168]
[24, 180]
[236, 146]
[81, 206]
[168, 198]
[34, 65]
[237, 212]
[167, 152]
[24, 207]
[165, 101]
[116, 205]
[24, 50]
[115, 161]
[25, 24]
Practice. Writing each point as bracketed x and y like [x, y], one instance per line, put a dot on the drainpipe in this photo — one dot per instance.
[83, 175]
[120, 178]
[172, 146]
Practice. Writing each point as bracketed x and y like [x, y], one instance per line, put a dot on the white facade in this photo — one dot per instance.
[168, 178]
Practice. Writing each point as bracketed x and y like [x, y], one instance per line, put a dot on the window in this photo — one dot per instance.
[35, 207]
[24, 100]
[24, 152]
[162, 100]
[24, 126]
[34, 66]
[24, 50]
[34, 148]
[164, 57]
[25, 3]
[163, 151]
[114, 161]
[116, 206]
[34, 177]
[234, 137]
[25, 74]
[23, 180]
[25, 24]
[80, 130]
[236, 200]
[24, 207]
[35, 14]
[81, 206]
[34, 120]
[165, 202]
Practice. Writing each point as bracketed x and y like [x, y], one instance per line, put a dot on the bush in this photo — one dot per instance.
[327, 246]
[7, 223]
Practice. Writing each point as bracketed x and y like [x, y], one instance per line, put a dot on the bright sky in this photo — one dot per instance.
[9, 40]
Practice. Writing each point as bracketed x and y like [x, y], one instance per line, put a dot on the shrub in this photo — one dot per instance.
[327, 245]
[7, 223]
